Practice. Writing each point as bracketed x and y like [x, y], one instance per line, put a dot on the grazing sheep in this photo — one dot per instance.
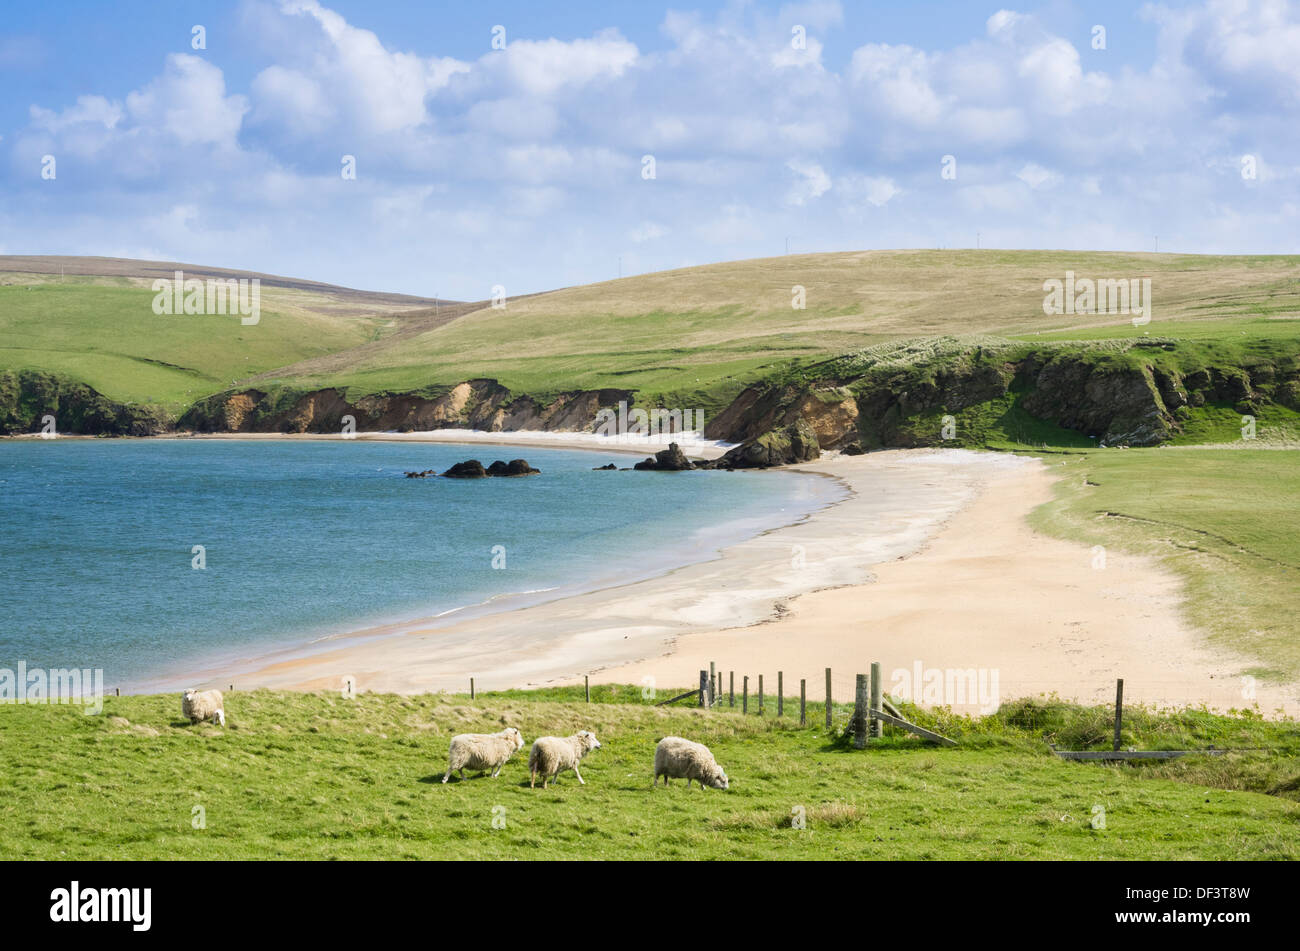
[551, 755]
[203, 705]
[482, 751]
[678, 758]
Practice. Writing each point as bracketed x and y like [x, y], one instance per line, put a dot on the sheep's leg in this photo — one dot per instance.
[581, 781]
[446, 775]
[495, 772]
[532, 779]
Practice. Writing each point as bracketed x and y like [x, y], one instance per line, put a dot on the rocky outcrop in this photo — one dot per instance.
[831, 411]
[671, 459]
[470, 469]
[515, 467]
[27, 397]
[473, 469]
[796, 442]
[473, 404]
[421, 474]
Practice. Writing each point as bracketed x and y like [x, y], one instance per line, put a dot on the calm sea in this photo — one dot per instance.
[304, 539]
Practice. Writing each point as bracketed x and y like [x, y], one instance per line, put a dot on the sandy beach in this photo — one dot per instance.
[926, 565]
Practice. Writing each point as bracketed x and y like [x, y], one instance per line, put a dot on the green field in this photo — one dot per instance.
[1225, 519]
[318, 776]
[692, 337]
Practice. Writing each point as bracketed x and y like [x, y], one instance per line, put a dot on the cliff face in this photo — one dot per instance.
[1117, 398]
[474, 404]
[28, 396]
[925, 393]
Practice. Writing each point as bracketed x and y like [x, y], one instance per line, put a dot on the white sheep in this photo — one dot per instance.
[551, 755]
[482, 751]
[678, 758]
[203, 705]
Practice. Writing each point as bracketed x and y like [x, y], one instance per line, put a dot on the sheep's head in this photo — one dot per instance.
[515, 736]
[719, 779]
[190, 694]
[588, 740]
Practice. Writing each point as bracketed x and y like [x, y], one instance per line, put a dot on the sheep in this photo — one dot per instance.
[678, 757]
[482, 751]
[551, 755]
[203, 705]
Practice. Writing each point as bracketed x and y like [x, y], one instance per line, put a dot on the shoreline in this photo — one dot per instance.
[745, 585]
[947, 574]
[691, 443]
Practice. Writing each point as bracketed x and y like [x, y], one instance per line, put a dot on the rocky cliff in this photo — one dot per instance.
[27, 397]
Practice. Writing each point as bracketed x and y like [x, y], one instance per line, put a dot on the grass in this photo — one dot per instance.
[691, 337]
[1225, 519]
[318, 776]
[107, 336]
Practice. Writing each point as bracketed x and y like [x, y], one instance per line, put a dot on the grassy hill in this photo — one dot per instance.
[94, 323]
[319, 776]
[690, 337]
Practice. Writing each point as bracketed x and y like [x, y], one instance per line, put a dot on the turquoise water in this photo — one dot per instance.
[305, 539]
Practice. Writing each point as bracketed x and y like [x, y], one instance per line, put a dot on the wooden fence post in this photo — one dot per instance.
[744, 697]
[1119, 710]
[731, 690]
[760, 695]
[713, 685]
[586, 683]
[780, 693]
[876, 725]
[704, 688]
[828, 699]
[803, 702]
[860, 713]
[471, 688]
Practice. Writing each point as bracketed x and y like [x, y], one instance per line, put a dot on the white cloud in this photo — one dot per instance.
[189, 102]
[812, 182]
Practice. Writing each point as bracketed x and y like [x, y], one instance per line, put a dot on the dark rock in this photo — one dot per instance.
[610, 466]
[515, 467]
[780, 447]
[470, 469]
[671, 459]
[422, 474]
[853, 449]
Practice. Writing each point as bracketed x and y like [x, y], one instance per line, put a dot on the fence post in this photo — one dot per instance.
[760, 695]
[1119, 710]
[713, 685]
[828, 699]
[732, 690]
[471, 688]
[744, 697]
[586, 683]
[803, 702]
[860, 713]
[780, 693]
[704, 688]
[876, 725]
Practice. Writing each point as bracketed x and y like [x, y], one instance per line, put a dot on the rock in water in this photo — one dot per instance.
[603, 468]
[421, 475]
[470, 469]
[515, 467]
[780, 447]
[671, 459]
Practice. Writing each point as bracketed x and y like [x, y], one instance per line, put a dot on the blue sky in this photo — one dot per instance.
[525, 167]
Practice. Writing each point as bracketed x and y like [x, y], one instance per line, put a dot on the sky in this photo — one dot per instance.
[449, 148]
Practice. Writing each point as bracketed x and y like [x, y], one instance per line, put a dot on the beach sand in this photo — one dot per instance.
[928, 561]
